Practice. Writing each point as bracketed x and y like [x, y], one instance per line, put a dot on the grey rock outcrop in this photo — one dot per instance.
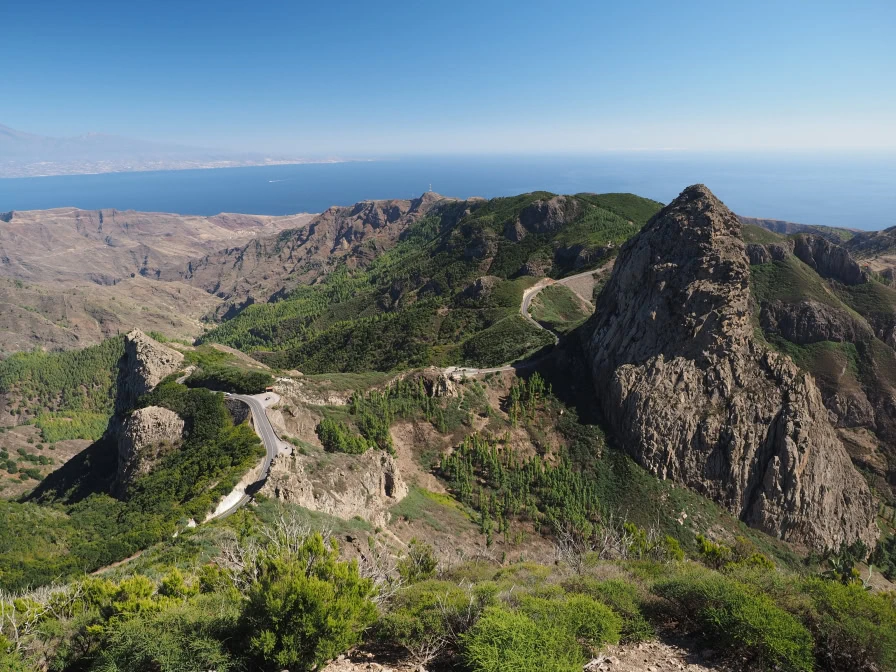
[482, 288]
[828, 259]
[762, 254]
[347, 486]
[144, 364]
[146, 435]
[811, 321]
[692, 397]
[437, 383]
[546, 216]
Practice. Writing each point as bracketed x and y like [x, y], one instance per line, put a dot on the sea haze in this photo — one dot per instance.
[838, 190]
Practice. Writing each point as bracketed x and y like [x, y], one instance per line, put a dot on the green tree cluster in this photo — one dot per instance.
[230, 379]
[76, 380]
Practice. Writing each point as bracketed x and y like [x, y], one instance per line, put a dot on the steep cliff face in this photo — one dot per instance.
[144, 365]
[693, 397]
[828, 259]
[812, 321]
[364, 485]
[146, 435]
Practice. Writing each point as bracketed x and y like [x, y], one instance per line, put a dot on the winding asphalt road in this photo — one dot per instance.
[268, 436]
[525, 305]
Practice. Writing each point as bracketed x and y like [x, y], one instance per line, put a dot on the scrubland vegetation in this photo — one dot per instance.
[276, 595]
[417, 304]
[72, 525]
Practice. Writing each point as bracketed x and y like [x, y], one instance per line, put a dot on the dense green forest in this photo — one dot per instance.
[419, 303]
[72, 525]
[76, 380]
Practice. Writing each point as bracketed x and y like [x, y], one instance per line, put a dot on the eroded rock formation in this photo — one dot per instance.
[346, 486]
[812, 321]
[828, 259]
[146, 435]
[692, 396]
[144, 364]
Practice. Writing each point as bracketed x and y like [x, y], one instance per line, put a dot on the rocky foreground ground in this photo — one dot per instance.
[656, 656]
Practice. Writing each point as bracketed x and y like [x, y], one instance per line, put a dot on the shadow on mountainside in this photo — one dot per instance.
[89, 472]
[567, 371]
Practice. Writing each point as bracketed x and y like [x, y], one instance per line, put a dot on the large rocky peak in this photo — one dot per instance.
[144, 364]
[692, 396]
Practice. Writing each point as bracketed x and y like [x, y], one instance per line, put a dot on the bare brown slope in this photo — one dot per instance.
[69, 277]
[876, 250]
[693, 397]
[109, 245]
[76, 314]
[272, 265]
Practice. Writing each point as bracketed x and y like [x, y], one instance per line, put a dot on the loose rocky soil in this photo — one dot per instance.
[656, 656]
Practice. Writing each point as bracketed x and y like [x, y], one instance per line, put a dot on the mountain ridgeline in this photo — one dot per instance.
[414, 283]
[755, 367]
[660, 419]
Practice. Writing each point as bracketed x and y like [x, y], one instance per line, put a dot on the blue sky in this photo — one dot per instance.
[377, 77]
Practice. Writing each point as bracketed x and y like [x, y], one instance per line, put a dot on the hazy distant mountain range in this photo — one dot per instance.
[28, 155]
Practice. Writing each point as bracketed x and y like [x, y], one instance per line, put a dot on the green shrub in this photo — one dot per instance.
[582, 618]
[182, 637]
[10, 661]
[426, 618]
[854, 629]
[336, 437]
[305, 606]
[712, 554]
[506, 641]
[739, 619]
[418, 563]
[623, 598]
[884, 557]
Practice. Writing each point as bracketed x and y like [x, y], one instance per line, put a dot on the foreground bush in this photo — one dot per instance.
[740, 620]
[580, 617]
[305, 607]
[625, 601]
[427, 618]
[181, 638]
[854, 629]
[507, 641]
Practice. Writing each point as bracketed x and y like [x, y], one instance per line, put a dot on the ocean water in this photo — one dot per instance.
[850, 190]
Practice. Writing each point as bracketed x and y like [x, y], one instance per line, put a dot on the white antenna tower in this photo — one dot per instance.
[430, 187]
